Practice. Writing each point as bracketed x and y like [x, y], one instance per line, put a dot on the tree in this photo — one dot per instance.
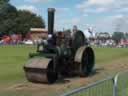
[117, 36]
[8, 13]
[27, 20]
[3, 2]
[14, 21]
[126, 35]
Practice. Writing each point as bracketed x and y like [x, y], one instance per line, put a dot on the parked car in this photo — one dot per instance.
[28, 42]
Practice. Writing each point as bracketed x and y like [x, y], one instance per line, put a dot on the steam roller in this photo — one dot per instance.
[60, 54]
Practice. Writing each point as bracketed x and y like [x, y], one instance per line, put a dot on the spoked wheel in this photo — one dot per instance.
[88, 60]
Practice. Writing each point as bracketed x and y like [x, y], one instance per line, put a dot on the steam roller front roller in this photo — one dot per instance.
[40, 70]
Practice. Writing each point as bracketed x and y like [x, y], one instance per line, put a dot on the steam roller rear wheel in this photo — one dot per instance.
[87, 62]
[86, 59]
[40, 70]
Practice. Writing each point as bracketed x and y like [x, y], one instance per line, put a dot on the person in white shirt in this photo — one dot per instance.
[74, 30]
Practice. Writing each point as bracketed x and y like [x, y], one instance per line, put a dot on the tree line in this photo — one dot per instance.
[116, 36]
[13, 21]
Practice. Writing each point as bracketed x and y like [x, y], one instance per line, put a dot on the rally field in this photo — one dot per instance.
[13, 82]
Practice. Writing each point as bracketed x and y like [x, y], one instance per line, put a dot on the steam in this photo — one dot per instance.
[121, 24]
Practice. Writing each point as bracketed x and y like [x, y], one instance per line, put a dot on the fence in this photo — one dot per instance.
[112, 86]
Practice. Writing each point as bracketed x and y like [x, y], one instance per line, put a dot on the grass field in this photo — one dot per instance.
[12, 59]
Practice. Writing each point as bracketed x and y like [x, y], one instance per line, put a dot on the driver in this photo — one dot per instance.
[74, 30]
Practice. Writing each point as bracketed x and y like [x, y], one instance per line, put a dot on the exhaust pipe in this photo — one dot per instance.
[51, 12]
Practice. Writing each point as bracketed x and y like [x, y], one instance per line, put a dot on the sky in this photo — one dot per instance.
[100, 15]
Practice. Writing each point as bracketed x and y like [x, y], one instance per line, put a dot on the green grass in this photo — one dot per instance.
[108, 55]
[12, 59]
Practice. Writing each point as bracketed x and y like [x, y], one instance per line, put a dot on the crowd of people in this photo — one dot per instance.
[109, 43]
[14, 39]
[102, 40]
[11, 39]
